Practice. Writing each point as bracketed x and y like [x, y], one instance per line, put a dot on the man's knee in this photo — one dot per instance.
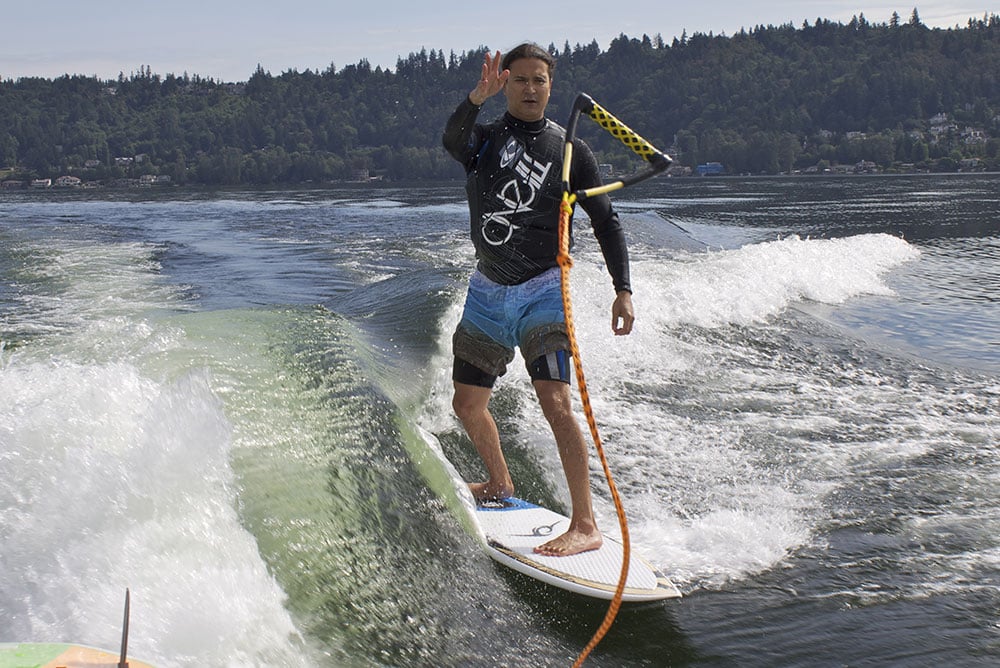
[462, 406]
[469, 401]
[554, 397]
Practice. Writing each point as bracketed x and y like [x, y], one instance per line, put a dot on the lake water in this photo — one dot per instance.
[236, 404]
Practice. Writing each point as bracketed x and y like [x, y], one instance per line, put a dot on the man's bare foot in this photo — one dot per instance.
[571, 542]
[487, 491]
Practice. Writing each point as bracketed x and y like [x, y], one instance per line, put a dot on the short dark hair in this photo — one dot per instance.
[528, 50]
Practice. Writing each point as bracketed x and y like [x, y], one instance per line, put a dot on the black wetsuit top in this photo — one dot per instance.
[514, 187]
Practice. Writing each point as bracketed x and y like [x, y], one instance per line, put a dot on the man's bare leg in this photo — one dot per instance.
[583, 534]
[471, 404]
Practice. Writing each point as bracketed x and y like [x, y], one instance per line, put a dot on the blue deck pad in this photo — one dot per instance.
[508, 503]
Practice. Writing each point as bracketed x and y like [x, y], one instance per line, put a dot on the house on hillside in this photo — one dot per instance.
[68, 182]
[974, 136]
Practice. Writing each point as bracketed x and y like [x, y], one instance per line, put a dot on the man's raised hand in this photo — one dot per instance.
[491, 82]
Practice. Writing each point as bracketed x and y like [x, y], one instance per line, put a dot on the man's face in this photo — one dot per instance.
[528, 88]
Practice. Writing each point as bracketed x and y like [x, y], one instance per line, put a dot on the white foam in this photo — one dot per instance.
[113, 480]
[755, 282]
[709, 500]
[116, 478]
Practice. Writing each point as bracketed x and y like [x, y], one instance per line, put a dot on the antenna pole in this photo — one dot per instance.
[122, 662]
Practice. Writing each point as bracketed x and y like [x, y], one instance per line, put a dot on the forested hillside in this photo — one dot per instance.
[895, 96]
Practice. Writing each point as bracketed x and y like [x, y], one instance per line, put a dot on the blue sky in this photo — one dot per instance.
[227, 40]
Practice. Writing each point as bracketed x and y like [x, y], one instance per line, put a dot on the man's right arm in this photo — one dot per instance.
[458, 132]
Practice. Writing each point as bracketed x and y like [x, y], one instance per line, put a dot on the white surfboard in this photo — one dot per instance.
[513, 528]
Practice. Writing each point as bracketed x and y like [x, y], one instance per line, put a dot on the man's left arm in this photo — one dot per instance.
[610, 236]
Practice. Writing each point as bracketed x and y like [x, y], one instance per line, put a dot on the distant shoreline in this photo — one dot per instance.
[95, 193]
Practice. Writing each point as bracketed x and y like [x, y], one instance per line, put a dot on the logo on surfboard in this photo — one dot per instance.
[541, 530]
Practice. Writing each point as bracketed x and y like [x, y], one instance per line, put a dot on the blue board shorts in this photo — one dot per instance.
[499, 318]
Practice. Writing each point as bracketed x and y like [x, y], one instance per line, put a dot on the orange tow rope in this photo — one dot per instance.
[565, 262]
